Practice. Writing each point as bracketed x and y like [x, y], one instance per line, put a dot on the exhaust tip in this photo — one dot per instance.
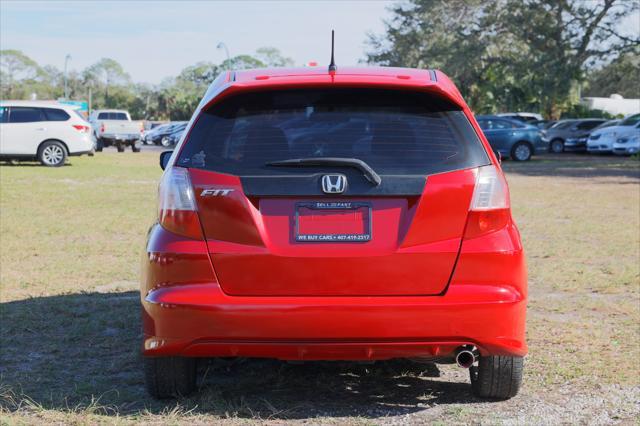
[465, 358]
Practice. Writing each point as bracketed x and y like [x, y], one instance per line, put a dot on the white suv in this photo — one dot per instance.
[46, 131]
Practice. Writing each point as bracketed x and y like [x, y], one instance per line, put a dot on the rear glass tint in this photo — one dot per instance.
[112, 116]
[54, 114]
[393, 132]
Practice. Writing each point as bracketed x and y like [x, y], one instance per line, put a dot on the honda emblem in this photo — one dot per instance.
[334, 184]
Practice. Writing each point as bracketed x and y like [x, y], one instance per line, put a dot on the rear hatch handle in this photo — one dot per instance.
[355, 163]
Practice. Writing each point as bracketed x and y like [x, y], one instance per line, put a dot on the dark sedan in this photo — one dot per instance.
[511, 138]
[173, 138]
[156, 136]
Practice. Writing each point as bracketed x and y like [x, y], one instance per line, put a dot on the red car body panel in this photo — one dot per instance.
[424, 286]
[415, 248]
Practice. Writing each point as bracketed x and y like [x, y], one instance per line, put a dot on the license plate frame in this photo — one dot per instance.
[333, 238]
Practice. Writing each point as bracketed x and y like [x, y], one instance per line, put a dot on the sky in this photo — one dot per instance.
[157, 39]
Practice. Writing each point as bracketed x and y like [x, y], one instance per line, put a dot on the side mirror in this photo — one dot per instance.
[164, 159]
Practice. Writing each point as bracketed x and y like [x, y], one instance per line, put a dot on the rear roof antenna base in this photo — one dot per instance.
[332, 66]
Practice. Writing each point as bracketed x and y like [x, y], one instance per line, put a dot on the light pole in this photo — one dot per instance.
[66, 87]
[221, 45]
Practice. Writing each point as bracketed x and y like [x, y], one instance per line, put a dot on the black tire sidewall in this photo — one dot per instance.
[170, 377]
[497, 377]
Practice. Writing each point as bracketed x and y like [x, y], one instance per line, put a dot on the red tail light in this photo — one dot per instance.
[81, 128]
[177, 211]
[489, 209]
[102, 128]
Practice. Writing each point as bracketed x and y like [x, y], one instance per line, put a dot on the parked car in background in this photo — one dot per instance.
[525, 117]
[115, 128]
[627, 144]
[47, 132]
[150, 126]
[362, 219]
[148, 135]
[173, 138]
[579, 143]
[573, 130]
[156, 136]
[511, 138]
[602, 140]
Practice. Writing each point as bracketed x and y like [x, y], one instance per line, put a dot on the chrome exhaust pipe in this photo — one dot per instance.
[465, 358]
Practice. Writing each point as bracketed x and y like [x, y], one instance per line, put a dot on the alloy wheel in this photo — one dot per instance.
[522, 152]
[52, 155]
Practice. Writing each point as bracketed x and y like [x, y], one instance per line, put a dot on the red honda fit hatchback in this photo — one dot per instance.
[356, 214]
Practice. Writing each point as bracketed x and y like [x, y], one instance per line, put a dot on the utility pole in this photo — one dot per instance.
[66, 85]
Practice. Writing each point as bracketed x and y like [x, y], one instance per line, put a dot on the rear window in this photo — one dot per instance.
[393, 132]
[498, 124]
[112, 116]
[54, 114]
[563, 124]
[588, 125]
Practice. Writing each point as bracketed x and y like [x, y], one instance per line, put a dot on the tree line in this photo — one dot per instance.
[504, 55]
[108, 85]
[518, 55]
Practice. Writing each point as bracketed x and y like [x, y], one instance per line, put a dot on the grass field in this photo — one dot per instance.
[70, 241]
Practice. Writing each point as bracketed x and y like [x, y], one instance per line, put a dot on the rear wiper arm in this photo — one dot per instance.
[368, 172]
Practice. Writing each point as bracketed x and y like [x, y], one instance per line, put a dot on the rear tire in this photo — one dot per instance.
[170, 377]
[52, 154]
[135, 148]
[556, 146]
[99, 145]
[521, 151]
[497, 377]
[120, 147]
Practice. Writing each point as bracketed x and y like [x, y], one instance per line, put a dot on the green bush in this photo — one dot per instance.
[581, 111]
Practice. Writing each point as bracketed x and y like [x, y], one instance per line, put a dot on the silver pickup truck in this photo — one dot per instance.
[114, 128]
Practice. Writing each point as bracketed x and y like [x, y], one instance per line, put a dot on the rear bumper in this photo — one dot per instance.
[626, 150]
[127, 138]
[200, 320]
[575, 144]
[186, 313]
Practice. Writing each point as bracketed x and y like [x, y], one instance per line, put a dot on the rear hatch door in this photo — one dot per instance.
[325, 229]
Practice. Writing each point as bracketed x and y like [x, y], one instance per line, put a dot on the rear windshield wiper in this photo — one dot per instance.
[368, 172]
